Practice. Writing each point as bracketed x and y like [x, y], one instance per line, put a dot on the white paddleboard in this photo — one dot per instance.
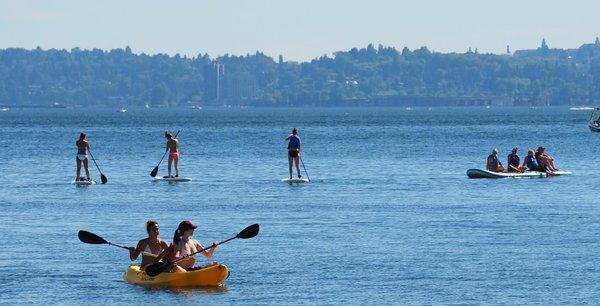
[83, 183]
[173, 179]
[295, 180]
[479, 173]
[558, 173]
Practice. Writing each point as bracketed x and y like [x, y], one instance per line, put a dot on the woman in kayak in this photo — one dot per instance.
[493, 164]
[82, 147]
[151, 246]
[184, 245]
[294, 151]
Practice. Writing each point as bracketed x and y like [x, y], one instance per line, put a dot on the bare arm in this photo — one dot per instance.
[206, 253]
[134, 253]
[161, 255]
[164, 244]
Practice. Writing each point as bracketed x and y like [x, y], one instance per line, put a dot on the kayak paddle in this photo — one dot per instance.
[155, 170]
[102, 176]
[91, 238]
[302, 162]
[159, 267]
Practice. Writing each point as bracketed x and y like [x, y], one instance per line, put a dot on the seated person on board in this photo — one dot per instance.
[531, 162]
[545, 160]
[514, 162]
[493, 164]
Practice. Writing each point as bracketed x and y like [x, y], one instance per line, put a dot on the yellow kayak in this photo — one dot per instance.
[210, 276]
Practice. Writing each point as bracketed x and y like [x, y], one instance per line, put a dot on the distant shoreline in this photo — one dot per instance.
[371, 76]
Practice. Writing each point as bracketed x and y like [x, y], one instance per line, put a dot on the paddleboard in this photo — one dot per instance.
[479, 173]
[173, 179]
[83, 183]
[295, 180]
[558, 173]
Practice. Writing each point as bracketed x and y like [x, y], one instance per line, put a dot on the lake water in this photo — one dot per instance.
[390, 216]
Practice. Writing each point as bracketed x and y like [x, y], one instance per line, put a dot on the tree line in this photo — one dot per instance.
[366, 76]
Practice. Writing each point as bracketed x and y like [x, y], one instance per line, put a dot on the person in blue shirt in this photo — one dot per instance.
[531, 162]
[493, 164]
[294, 145]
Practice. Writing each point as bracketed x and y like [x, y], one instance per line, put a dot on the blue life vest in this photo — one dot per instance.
[531, 163]
[494, 162]
[294, 143]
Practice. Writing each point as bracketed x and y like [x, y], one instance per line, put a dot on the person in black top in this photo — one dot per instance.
[514, 161]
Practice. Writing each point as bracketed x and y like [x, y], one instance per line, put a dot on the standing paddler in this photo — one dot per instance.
[173, 148]
[82, 158]
[294, 145]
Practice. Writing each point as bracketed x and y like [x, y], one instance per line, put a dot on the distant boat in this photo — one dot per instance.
[58, 105]
[122, 110]
[408, 108]
[593, 122]
[581, 108]
[147, 105]
[4, 109]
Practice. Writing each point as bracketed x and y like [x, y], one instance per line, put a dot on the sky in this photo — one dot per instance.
[299, 30]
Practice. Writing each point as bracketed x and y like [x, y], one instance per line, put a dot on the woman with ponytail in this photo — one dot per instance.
[183, 245]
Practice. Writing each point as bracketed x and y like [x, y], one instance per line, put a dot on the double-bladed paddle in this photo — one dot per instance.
[155, 170]
[159, 267]
[102, 176]
[91, 238]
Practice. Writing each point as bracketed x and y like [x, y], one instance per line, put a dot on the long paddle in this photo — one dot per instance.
[102, 177]
[159, 267]
[155, 170]
[302, 162]
[91, 238]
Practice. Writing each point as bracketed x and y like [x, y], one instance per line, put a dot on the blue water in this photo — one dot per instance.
[389, 217]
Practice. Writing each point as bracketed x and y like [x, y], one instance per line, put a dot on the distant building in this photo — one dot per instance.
[544, 45]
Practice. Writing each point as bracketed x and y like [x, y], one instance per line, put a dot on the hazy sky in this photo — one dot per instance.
[300, 29]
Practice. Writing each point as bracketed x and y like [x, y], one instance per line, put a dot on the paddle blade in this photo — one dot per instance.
[249, 232]
[103, 178]
[91, 238]
[154, 171]
[157, 268]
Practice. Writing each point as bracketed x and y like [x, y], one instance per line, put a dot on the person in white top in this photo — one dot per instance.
[149, 247]
[184, 245]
